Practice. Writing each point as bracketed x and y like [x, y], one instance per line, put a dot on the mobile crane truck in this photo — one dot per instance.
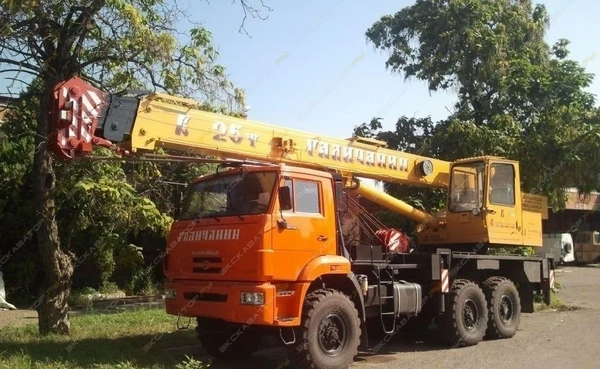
[257, 248]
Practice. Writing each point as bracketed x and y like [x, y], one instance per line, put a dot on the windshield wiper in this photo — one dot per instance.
[213, 215]
[228, 208]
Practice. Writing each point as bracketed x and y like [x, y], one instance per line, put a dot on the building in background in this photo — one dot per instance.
[581, 213]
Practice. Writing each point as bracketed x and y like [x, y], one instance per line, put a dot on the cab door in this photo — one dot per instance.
[310, 230]
[503, 204]
[464, 221]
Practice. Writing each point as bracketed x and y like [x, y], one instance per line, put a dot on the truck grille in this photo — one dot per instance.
[204, 265]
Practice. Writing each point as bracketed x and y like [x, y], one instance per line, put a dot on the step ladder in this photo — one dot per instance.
[386, 303]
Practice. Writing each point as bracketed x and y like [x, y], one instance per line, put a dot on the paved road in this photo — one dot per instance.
[546, 339]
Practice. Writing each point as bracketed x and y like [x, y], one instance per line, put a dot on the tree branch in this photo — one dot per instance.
[21, 64]
[19, 71]
[253, 12]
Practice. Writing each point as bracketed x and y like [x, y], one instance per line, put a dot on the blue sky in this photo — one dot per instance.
[309, 66]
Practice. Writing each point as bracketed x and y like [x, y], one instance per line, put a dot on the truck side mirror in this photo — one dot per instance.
[179, 196]
[285, 198]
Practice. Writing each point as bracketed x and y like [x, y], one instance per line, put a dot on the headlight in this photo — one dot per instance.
[253, 298]
[170, 293]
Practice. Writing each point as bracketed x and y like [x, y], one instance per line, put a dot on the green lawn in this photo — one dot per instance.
[144, 338]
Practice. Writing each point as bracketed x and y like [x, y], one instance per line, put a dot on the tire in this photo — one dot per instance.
[465, 321]
[329, 335]
[504, 307]
[229, 345]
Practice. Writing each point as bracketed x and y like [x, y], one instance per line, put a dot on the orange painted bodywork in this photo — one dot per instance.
[210, 262]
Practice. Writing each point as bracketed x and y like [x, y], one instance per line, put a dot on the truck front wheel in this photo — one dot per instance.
[330, 332]
[465, 321]
[504, 306]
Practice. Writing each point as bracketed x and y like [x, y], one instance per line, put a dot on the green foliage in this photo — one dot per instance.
[191, 363]
[106, 211]
[109, 287]
[517, 97]
[110, 215]
[522, 251]
[140, 338]
[142, 283]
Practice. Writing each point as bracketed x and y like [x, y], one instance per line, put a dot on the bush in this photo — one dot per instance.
[191, 363]
[109, 287]
[142, 284]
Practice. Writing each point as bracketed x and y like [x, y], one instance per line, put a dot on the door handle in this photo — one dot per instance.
[322, 238]
[489, 211]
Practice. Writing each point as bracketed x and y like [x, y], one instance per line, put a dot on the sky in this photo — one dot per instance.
[309, 65]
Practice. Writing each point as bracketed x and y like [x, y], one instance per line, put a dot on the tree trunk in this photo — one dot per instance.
[51, 304]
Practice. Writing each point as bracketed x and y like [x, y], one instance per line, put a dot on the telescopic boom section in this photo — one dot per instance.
[85, 117]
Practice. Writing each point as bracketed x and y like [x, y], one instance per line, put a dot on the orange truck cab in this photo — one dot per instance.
[235, 245]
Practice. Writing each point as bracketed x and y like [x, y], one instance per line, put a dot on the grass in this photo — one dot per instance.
[555, 302]
[143, 338]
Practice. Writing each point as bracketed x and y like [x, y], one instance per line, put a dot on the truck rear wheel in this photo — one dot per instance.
[465, 320]
[229, 345]
[504, 307]
[330, 332]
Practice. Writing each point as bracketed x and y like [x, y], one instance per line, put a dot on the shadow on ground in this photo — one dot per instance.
[171, 348]
[142, 350]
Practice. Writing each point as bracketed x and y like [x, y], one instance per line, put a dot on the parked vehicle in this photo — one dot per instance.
[560, 245]
[587, 247]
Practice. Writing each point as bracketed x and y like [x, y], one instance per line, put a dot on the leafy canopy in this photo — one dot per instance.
[104, 210]
[517, 97]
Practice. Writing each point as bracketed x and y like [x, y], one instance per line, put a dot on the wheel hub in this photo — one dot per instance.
[470, 315]
[506, 309]
[332, 334]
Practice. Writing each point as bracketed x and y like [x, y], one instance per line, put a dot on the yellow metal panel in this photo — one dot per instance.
[535, 203]
[175, 126]
[532, 229]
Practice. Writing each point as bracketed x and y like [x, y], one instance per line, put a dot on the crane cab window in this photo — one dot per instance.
[305, 196]
[502, 184]
[466, 189]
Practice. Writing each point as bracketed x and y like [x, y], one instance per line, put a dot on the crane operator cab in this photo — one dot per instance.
[486, 208]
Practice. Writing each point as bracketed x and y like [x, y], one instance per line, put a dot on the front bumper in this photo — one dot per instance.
[222, 300]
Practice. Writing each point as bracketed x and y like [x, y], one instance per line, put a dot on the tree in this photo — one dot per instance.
[117, 44]
[517, 96]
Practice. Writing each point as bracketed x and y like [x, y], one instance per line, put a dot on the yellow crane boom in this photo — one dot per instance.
[160, 120]
[485, 195]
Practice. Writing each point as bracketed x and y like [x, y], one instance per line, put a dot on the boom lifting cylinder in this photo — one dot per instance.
[389, 202]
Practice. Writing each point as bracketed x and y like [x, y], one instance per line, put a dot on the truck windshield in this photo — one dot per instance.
[237, 194]
[466, 191]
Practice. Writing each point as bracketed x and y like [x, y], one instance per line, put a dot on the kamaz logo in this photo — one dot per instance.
[212, 235]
